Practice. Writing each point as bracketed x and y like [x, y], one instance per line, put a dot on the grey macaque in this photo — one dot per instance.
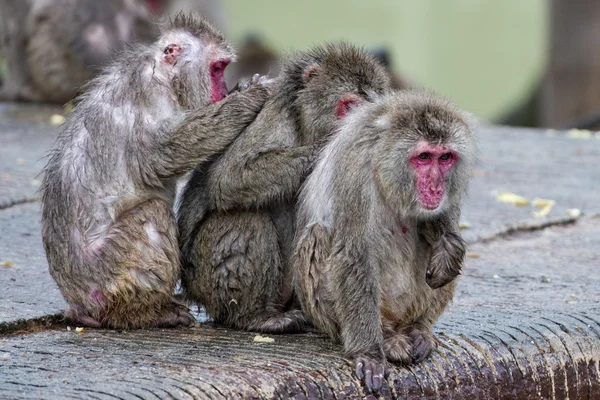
[377, 229]
[53, 47]
[108, 227]
[236, 217]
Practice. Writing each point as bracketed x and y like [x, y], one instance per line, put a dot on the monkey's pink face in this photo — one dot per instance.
[432, 163]
[217, 79]
[346, 104]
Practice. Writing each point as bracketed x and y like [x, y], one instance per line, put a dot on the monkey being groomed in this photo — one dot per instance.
[107, 222]
[377, 245]
[236, 216]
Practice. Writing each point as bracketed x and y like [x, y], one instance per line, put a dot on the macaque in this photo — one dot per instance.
[108, 225]
[377, 244]
[53, 47]
[398, 82]
[236, 218]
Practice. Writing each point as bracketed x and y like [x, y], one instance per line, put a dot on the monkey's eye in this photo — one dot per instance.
[445, 157]
[424, 156]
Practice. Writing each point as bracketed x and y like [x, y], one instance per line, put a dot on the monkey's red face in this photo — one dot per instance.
[432, 163]
[217, 79]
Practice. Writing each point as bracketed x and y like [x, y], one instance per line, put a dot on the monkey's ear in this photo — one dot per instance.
[310, 72]
[171, 53]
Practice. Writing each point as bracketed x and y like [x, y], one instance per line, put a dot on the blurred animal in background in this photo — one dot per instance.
[53, 47]
[377, 245]
[382, 54]
[108, 189]
[236, 217]
[254, 57]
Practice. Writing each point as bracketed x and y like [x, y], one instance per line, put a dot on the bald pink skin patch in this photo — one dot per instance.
[431, 163]
[217, 78]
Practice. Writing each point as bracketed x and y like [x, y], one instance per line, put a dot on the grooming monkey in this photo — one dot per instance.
[236, 214]
[107, 223]
[377, 229]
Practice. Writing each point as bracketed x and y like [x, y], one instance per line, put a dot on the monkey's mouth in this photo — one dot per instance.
[430, 206]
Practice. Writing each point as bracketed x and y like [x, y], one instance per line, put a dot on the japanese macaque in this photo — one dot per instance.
[377, 244]
[53, 47]
[108, 227]
[236, 218]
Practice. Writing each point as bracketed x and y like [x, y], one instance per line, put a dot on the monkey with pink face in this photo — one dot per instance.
[108, 189]
[377, 243]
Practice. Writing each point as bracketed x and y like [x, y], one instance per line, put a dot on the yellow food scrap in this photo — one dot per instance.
[263, 339]
[511, 198]
[57, 119]
[79, 329]
[20, 161]
[473, 255]
[579, 134]
[464, 225]
[8, 264]
[544, 205]
[573, 212]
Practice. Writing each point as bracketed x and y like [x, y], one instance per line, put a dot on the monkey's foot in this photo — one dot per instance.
[84, 320]
[398, 349]
[175, 315]
[371, 371]
[292, 321]
[423, 344]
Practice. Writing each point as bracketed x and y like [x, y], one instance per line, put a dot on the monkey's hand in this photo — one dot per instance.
[448, 253]
[257, 79]
[372, 371]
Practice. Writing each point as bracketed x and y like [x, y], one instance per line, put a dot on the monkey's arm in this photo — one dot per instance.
[447, 247]
[254, 177]
[202, 134]
[356, 299]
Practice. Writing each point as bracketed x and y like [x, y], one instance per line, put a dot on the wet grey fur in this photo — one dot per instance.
[236, 215]
[364, 243]
[107, 222]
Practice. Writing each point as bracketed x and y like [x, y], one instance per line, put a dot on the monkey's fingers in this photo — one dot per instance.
[371, 372]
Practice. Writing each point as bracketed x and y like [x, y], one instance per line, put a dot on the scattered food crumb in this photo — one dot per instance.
[579, 134]
[573, 295]
[511, 198]
[546, 280]
[544, 205]
[570, 302]
[79, 329]
[263, 339]
[573, 212]
[473, 255]
[464, 225]
[36, 183]
[20, 161]
[57, 119]
[69, 328]
[8, 264]
[496, 276]
[68, 107]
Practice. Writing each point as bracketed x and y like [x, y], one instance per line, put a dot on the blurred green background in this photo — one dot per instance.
[484, 54]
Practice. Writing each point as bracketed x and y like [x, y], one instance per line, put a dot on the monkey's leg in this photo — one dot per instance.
[138, 256]
[237, 273]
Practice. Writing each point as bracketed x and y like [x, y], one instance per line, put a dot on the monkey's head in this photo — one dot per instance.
[425, 153]
[192, 57]
[332, 81]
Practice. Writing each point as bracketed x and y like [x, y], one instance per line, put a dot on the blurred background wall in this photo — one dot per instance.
[485, 55]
